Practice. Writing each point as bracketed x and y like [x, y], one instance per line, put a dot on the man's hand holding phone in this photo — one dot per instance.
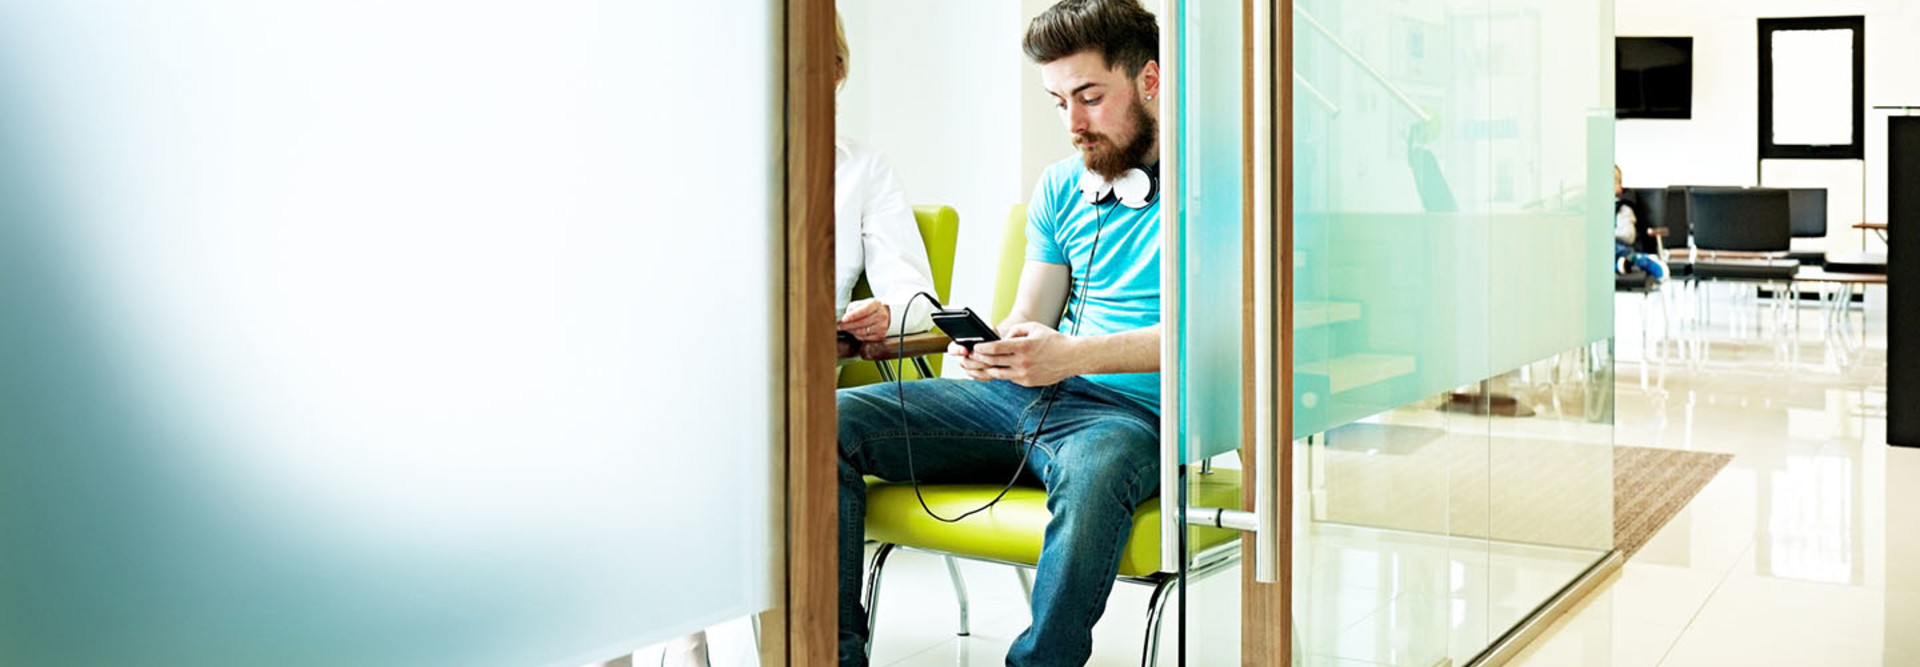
[1028, 354]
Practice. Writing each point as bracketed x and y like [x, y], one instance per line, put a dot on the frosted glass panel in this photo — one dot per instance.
[356, 333]
[1813, 87]
[1211, 141]
[1210, 224]
[1452, 163]
[1452, 319]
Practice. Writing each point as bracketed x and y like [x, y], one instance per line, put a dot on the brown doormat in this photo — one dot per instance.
[1650, 486]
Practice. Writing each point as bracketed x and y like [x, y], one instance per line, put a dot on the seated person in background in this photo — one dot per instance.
[1081, 344]
[1628, 229]
[874, 235]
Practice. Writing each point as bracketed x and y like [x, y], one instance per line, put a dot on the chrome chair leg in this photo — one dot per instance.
[1156, 611]
[920, 364]
[959, 593]
[873, 590]
[1026, 582]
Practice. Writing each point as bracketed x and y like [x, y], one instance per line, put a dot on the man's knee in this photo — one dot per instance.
[1120, 459]
[862, 412]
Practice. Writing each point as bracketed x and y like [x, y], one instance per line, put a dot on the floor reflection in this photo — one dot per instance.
[1803, 551]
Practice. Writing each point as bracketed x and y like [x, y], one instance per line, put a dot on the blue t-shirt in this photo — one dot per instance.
[1122, 288]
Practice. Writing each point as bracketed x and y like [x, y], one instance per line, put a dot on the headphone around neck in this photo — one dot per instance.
[1135, 188]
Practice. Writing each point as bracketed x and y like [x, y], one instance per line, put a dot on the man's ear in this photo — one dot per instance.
[1149, 79]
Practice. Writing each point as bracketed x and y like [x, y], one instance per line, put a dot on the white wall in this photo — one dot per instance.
[936, 87]
[1717, 146]
[1043, 137]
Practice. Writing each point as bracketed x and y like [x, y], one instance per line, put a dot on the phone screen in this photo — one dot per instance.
[964, 327]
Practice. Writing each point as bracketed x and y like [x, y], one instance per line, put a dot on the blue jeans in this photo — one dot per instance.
[1643, 262]
[1098, 458]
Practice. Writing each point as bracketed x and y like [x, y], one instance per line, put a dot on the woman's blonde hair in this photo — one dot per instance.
[841, 60]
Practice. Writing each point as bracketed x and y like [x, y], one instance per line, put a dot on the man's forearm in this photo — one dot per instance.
[1136, 351]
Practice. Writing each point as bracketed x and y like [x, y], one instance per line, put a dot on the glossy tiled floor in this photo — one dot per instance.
[1804, 551]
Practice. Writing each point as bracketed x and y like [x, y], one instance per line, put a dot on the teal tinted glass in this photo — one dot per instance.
[1453, 309]
[1210, 226]
[1211, 142]
[1450, 222]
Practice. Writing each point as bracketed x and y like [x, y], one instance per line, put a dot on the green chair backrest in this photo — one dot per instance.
[940, 230]
[1013, 257]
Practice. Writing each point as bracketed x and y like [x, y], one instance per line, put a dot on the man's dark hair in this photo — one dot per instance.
[1122, 31]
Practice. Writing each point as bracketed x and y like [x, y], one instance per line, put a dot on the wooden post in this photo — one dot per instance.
[1266, 632]
[802, 628]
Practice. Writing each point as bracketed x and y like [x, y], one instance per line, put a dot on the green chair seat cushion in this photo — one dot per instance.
[1011, 530]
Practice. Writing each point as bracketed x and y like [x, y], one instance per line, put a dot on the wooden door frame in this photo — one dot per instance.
[1266, 610]
[802, 628]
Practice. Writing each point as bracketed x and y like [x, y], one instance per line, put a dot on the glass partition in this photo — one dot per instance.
[1210, 225]
[1453, 317]
[333, 332]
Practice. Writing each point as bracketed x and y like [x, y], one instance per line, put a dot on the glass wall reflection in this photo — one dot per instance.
[1453, 318]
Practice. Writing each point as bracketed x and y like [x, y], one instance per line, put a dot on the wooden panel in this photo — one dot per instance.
[802, 628]
[1266, 635]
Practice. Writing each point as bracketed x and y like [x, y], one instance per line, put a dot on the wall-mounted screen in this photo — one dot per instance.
[1653, 77]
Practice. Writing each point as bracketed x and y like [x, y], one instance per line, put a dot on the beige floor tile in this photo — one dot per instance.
[1755, 648]
[1661, 596]
[1795, 611]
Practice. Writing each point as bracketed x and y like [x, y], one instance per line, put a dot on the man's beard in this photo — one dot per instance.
[1110, 160]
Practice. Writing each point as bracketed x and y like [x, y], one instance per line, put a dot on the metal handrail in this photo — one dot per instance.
[1364, 65]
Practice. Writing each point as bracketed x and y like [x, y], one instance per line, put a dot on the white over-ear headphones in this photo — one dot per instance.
[1134, 189]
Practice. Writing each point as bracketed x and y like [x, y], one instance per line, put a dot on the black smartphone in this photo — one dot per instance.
[964, 327]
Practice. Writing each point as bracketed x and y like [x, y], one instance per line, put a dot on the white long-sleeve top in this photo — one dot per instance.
[1625, 224]
[875, 233]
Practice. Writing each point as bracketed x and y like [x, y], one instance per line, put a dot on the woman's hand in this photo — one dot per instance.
[867, 320]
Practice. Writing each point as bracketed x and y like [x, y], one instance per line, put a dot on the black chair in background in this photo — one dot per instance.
[1744, 235]
[1741, 234]
[1653, 216]
[1679, 238]
[1857, 262]
[1807, 210]
[1667, 230]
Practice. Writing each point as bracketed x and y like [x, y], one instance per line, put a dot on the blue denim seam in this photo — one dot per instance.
[1021, 422]
[1113, 563]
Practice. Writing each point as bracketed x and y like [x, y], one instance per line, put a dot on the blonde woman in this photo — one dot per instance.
[874, 234]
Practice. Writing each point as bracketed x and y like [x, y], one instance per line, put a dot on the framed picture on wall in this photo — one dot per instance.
[1813, 88]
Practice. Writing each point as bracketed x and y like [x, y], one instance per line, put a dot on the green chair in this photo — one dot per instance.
[940, 230]
[1010, 532]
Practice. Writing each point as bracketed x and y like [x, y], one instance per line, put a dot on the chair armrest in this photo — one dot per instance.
[915, 345]
[1699, 255]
